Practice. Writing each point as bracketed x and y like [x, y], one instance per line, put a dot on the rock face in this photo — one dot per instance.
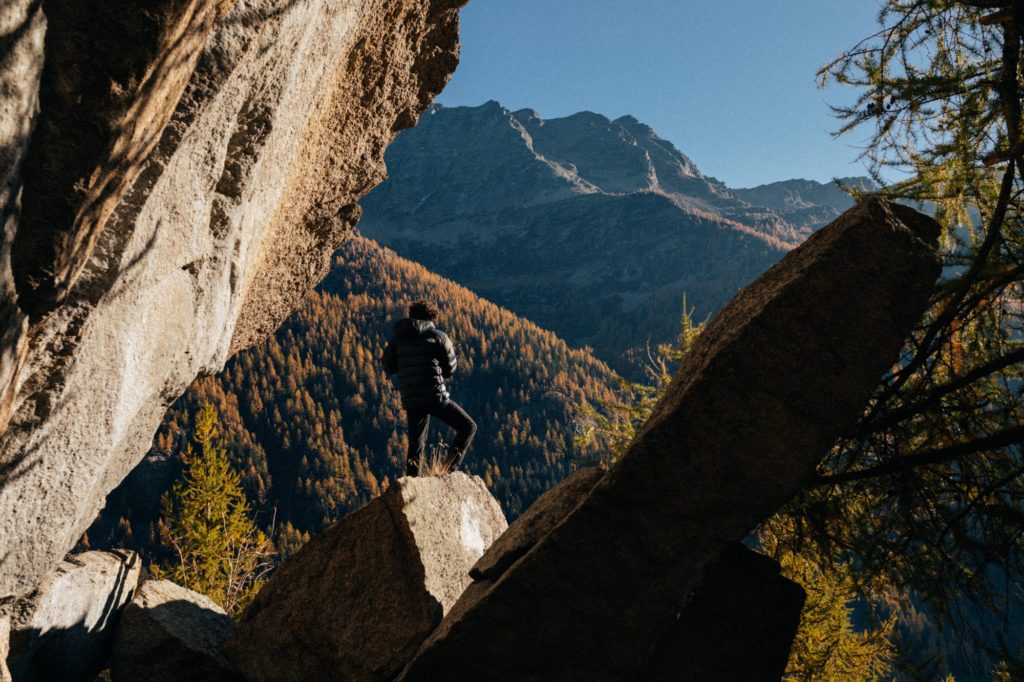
[5, 646]
[357, 600]
[64, 629]
[781, 370]
[738, 625]
[23, 26]
[192, 168]
[592, 228]
[169, 633]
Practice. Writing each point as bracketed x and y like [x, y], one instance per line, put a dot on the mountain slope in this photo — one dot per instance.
[317, 429]
[804, 204]
[592, 228]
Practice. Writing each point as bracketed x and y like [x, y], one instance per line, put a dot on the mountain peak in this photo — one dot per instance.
[591, 227]
[528, 115]
[487, 155]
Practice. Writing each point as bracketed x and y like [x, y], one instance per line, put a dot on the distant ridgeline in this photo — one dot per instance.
[589, 227]
[316, 429]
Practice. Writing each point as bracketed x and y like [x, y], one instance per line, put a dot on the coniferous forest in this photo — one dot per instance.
[316, 429]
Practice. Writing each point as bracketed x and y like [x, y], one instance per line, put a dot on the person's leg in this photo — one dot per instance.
[465, 428]
[418, 421]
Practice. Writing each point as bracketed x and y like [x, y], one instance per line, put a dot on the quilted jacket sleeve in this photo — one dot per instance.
[448, 361]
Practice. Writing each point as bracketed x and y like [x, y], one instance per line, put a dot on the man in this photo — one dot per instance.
[423, 357]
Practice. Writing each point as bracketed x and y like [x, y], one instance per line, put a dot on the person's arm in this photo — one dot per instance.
[390, 358]
[448, 361]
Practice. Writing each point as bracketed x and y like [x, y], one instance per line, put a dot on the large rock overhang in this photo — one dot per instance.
[167, 204]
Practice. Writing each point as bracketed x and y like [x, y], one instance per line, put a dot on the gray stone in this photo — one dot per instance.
[738, 625]
[169, 633]
[359, 598]
[756, 403]
[5, 646]
[23, 27]
[65, 628]
[543, 515]
[175, 216]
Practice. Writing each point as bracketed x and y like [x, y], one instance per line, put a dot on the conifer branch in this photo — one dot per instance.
[985, 4]
[894, 417]
[927, 346]
[996, 18]
[1000, 439]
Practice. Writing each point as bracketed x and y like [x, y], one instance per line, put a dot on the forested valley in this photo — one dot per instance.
[316, 429]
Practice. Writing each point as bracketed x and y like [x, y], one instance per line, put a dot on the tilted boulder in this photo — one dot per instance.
[177, 178]
[738, 624]
[169, 633]
[64, 630]
[359, 598]
[541, 516]
[755, 404]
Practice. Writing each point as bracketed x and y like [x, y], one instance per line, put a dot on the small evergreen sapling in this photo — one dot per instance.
[220, 551]
[614, 422]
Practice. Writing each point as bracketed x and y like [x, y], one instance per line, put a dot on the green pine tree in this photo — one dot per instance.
[827, 647]
[219, 550]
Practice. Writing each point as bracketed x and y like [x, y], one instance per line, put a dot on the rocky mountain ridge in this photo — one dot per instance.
[585, 153]
[590, 227]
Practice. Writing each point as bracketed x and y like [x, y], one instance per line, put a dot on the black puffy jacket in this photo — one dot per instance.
[423, 357]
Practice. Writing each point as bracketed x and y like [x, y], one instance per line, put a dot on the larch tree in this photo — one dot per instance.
[218, 549]
[926, 493]
[927, 490]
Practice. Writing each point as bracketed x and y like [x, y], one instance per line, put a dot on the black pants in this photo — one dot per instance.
[451, 414]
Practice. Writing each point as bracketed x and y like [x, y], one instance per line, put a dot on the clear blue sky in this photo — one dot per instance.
[729, 82]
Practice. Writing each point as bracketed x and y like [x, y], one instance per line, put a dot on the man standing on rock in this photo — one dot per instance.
[423, 357]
